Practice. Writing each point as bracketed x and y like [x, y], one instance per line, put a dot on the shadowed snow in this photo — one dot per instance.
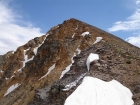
[69, 86]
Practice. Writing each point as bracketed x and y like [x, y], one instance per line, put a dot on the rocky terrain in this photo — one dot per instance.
[40, 70]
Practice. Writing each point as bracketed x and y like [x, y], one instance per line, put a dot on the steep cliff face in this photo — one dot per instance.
[37, 73]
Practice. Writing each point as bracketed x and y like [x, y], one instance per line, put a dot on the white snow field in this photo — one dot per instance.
[91, 58]
[94, 91]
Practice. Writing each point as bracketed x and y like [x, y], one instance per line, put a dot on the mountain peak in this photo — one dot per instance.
[47, 69]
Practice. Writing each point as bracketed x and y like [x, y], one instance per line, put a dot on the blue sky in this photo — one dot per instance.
[22, 20]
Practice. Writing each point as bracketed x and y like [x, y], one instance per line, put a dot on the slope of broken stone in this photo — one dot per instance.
[111, 65]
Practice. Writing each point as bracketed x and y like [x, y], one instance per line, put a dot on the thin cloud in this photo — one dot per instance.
[132, 23]
[134, 40]
[12, 34]
[137, 2]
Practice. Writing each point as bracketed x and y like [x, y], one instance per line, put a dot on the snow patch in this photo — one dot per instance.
[1, 71]
[26, 56]
[69, 86]
[13, 52]
[49, 70]
[85, 33]
[78, 50]
[43, 92]
[68, 67]
[76, 27]
[94, 91]
[11, 88]
[98, 39]
[12, 76]
[91, 58]
[25, 59]
[73, 35]
[6, 78]
[36, 48]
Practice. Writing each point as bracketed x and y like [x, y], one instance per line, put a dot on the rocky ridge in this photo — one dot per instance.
[42, 68]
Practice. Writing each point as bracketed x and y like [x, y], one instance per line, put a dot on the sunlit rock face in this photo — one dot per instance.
[48, 69]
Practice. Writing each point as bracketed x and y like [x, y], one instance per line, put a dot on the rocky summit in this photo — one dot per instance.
[49, 69]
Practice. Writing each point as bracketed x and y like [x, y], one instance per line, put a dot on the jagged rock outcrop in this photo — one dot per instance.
[43, 67]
